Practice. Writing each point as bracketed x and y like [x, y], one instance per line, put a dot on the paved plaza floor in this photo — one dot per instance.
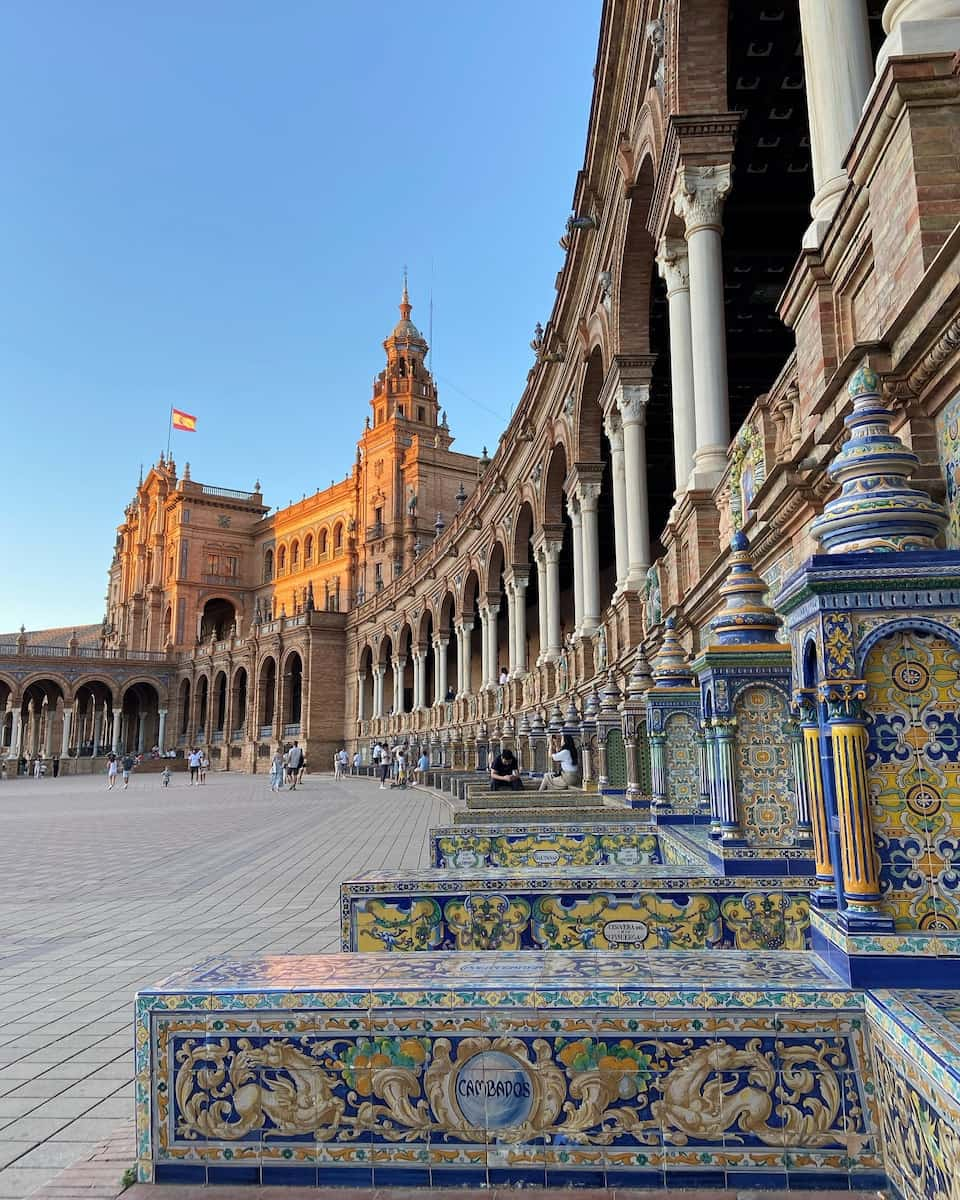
[103, 892]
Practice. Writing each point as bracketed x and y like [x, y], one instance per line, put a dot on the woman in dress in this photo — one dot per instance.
[564, 754]
[276, 771]
[112, 768]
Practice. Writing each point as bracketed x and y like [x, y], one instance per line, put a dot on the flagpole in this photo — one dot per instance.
[169, 430]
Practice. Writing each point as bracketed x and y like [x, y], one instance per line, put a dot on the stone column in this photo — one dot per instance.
[699, 201]
[65, 733]
[511, 627]
[50, 711]
[613, 426]
[115, 733]
[633, 410]
[464, 630]
[419, 679]
[32, 730]
[576, 525]
[141, 731]
[919, 27]
[361, 696]
[543, 613]
[838, 72]
[440, 668]
[521, 577]
[162, 731]
[16, 730]
[674, 268]
[551, 553]
[492, 612]
[378, 672]
[588, 493]
[399, 665]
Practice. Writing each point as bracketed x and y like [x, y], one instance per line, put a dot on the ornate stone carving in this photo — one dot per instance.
[674, 264]
[633, 401]
[700, 195]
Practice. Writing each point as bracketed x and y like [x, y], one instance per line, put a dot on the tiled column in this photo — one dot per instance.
[658, 769]
[699, 201]
[675, 270]
[826, 893]
[725, 787]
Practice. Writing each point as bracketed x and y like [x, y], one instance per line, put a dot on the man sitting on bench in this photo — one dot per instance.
[505, 772]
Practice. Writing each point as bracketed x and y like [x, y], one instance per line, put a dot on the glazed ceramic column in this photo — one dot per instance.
[115, 733]
[162, 731]
[858, 857]
[576, 526]
[551, 554]
[703, 770]
[699, 201]
[674, 267]
[440, 668]
[588, 495]
[361, 695]
[632, 402]
[795, 734]
[725, 784]
[543, 608]
[658, 770]
[613, 427]
[919, 27]
[521, 577]
[826, 892]
[65, 733]
[837, 71]
[15, 734]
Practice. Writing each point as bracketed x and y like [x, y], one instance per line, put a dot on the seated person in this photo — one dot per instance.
[505, 772]
[564, 754]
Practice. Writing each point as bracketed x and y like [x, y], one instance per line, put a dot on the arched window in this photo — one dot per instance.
[308, 548]
[281, 560]
[268, 566]
[337, 538]
[324, 539]
[294, 556]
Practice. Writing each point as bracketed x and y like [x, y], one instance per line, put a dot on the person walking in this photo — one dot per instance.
[357, 760]
[194, 763]
[111, 771]
[276, 771]
[400, 756]
[337, 766]
[294, 763]
[165, 777]
[56, 766]
[344, 762]
[384, 767]
[204, 767]
[127, 766]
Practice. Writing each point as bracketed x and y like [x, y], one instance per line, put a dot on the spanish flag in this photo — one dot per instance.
[184, 421]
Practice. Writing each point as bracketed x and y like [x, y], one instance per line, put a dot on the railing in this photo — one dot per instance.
[266, 731]
[229, 580]
[217, 735]
[237, 735]
[228, 493]
[291, 730]
[113, 655]
[200, 736]
[375, 532]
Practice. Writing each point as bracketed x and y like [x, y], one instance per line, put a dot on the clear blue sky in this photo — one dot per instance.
[210, 204]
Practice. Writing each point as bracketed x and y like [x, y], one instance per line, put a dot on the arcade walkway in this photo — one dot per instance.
[101, 892]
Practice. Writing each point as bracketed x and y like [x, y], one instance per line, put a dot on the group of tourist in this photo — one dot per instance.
[505, 769]
[287, 767]
[119, 766]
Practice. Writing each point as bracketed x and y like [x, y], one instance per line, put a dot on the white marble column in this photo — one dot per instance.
[542, 613]
[16, 730]
[699, 201]
[378, 691]
[361, 696]
[141, 732]
[490, 659]
[162, 731]
[115, 734]
[511, 627]
[65, 733]
[588, 494]
[50, 711]
[632, 401]
[440, 668]
[674, 268]
[419, 679]
[613, 427]
[521, 577]
[399, 665]
[919, 27]
[484, 647]
[838, 71]
[576, 526]
[551, 554]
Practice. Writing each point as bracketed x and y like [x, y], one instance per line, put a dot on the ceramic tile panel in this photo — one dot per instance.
[559, 845]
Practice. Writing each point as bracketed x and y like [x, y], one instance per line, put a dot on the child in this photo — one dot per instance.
[165, 776]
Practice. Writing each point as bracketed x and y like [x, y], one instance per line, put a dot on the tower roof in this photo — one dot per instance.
[405, 330]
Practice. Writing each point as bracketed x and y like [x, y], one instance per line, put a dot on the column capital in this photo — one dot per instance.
[439, 641]
[613, 428]
[699, 195]
[379, 670]
[633, 401]
[518, 575]
[399, 662]
[588, 493]
[673, 264]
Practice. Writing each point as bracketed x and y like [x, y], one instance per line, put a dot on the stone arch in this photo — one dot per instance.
[166, 634]
[202, 707]
[589, 414]
[219, 709]
[43, 677]
[239, 688]
[140, 716]
[295, 555]
[470, 592]
[324, 541]
[473, 645]
[553, 490]
[384, 650]
[184, 693]
[523, 530]
[41, 705]
[268, 565]
[282, 559]
[308, 549]
[446, 616]
[217, 618]
[266, 695]
[495, 564]
[809, 673]
[904, 625]
[338, 538]
[292, 688]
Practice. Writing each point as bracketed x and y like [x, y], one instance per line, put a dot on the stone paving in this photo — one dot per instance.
[103, 892]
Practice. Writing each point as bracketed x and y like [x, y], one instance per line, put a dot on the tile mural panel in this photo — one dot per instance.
[766, 788]
[948, 428]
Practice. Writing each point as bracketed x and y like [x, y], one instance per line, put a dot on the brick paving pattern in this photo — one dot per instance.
[103, 892]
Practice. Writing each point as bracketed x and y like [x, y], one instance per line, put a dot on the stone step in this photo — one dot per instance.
[585, 812]
[486, 799]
